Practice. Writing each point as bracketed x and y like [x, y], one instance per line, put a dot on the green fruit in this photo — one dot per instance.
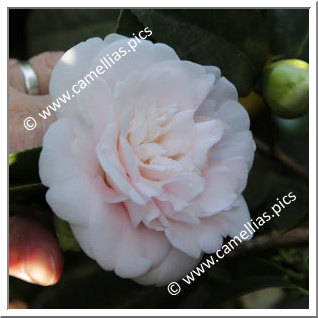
[286, 88]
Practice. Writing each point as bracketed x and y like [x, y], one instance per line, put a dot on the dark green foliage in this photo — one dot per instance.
[207, 37]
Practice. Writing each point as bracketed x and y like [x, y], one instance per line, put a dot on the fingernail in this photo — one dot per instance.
[39, 265]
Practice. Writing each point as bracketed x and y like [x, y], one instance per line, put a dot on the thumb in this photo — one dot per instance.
[34, 254]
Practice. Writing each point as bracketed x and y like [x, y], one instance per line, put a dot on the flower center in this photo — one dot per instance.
[148, 129]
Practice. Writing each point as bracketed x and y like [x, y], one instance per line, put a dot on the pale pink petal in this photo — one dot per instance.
[107, 193]
[108, 157]
[129, 251]
[173, 268]
[150, 215]
[222, 91]
[81, 235]
[208, 235]
[225, 180]
[188, 214]
[57, 163]
[192, 239]
[125, 152]
[191, 84]
[83, 149]
[113, 37]
[185, 187]
[95, 105]
[234, 117]
[208, 134]
[236, 217]
[70, 69]
[72, 200]
[145, 55]
[180, 134]
[239, 145]
[214, 70]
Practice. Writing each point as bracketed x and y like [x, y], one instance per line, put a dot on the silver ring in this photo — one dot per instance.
[30, 79]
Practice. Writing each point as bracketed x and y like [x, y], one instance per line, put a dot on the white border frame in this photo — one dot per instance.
[162, 312]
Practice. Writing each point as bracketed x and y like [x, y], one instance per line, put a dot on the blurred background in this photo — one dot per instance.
[272, 272]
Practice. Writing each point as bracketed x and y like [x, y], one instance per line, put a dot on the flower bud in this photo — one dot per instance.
[286, 88]
[253, 103]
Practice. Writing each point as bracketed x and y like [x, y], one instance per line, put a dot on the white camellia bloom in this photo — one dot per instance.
[148, 163]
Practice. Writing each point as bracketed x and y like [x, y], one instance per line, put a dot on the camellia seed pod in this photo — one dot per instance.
[286, 87]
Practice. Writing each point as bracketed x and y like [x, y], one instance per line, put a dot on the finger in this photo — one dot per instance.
[22, 106]
[42, 65]
[16, 79]
[34, 254]
[13, 61]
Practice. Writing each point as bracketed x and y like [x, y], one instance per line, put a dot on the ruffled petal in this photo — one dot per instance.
[236, 217]
[57, 163]
[208, 134]
[127, 61]
[81, 235]
[193, 239]
[222, 92]
[108, 157]
[118, 245]
[72, 200]
[173, 268]
[70, 69]
[240, 145]
[225, 180]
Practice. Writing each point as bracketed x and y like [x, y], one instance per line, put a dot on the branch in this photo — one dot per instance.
[279, 155]
[275, 239]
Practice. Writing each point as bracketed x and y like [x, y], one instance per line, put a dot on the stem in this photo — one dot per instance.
[30, 186]
[279, 155]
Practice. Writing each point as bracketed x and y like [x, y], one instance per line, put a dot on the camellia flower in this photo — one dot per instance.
[148, 163]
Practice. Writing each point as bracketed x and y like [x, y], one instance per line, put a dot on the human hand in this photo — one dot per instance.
[22, 105]
[34, 253]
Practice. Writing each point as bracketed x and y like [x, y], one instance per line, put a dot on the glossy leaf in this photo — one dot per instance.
[65, 235]
[289, 33]
[24, 168]
[196, 39]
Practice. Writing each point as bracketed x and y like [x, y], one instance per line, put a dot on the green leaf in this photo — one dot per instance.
[296, 212]
[27, 187]
[301, 303]
[60, 29]
[250, 35]
[262, 299]
[246, 285]
[85, 284]
[254, 283]
[258, 185]
[65, 235]
[246, 275]
[194, 37]
[24, 168]
[128, 23]
[289, 33]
